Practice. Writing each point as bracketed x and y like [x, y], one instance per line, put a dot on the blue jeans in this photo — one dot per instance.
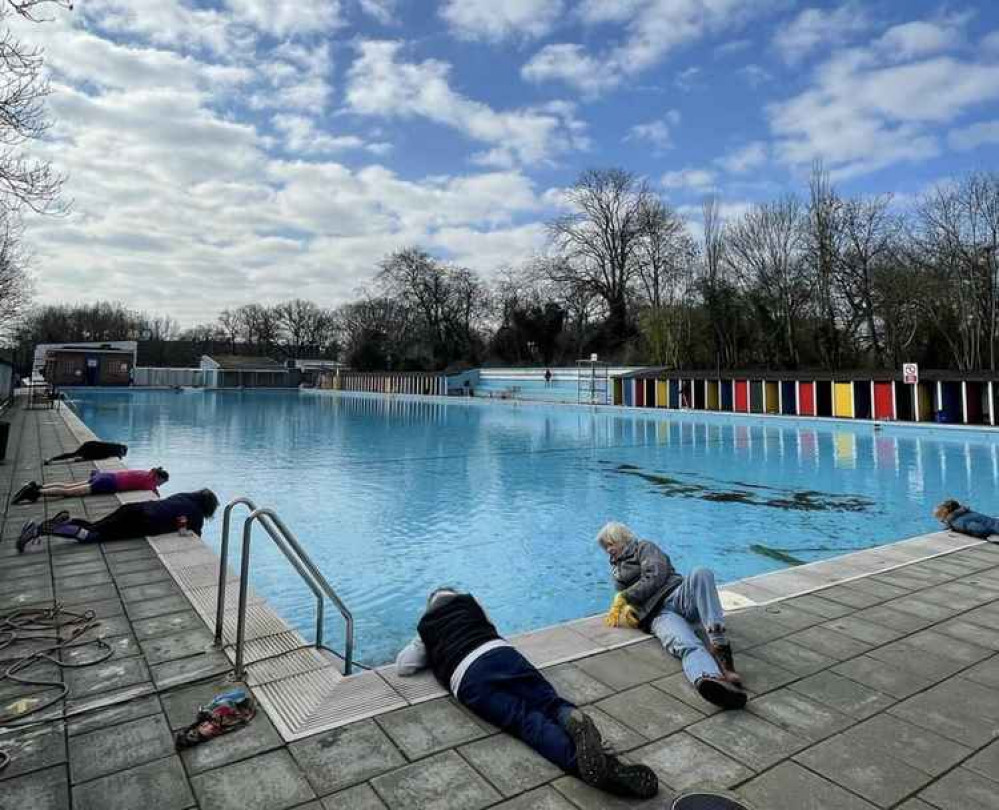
[696, 600]
[505, 689]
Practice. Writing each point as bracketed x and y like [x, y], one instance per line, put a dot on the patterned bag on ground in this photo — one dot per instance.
[227, 712]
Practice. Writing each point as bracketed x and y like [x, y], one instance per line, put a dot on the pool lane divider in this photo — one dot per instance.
[303, 691]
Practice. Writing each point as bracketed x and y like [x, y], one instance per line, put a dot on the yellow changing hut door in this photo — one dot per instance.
[843, 400]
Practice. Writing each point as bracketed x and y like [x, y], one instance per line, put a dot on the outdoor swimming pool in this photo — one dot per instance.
[392, 497]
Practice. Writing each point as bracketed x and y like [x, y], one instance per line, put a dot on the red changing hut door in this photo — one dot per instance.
[884, 400]
[742, 396]
[806, 399]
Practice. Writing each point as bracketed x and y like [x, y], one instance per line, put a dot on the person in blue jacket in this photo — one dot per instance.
[185, 513]
[961, 519]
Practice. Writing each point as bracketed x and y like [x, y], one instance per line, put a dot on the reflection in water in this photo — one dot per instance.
[394, 496]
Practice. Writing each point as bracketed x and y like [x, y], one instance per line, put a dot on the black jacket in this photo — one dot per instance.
[451, 630]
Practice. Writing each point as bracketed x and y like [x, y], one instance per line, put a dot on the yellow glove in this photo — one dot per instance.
[621, 614]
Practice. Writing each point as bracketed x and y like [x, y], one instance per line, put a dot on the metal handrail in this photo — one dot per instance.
[286, 542]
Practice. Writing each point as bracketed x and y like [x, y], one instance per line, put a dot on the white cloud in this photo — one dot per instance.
[652, 30]
[695, 180]
[990, 44]
[862, 114]
[658, 133]
[756, 75]
[380, 83]
[381, 10]
[981, 134]
[920, 38]
[745, 158]
[815, 29]
[496, 20]
[282, 18]
[687, 79]
[301, 135]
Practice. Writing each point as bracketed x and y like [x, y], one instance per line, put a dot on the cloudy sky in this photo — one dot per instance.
[221, 152]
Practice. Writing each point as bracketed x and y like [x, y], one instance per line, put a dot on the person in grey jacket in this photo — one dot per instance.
[961, 519]
[666, 604]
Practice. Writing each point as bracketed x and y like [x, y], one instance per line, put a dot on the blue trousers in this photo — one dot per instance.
[505, 689]
[695, 601]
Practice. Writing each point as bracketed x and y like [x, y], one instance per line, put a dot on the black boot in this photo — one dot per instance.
[636, 781]
[591, 761]
[29, 493]
[722, 692]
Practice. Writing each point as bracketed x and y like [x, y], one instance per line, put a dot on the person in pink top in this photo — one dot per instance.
[100, 483]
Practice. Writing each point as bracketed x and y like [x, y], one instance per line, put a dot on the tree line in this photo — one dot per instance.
[817, 280]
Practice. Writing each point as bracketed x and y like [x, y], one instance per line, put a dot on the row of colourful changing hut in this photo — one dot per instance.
[937, 397]
[419, 383]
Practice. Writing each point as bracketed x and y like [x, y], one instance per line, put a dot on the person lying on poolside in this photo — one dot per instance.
[654, 597]
[961, 519]
[100, 483]
[487, 675]
[185, 512]
[92, 451]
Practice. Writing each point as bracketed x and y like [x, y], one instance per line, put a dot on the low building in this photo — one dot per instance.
[241, 371]
[67, 364]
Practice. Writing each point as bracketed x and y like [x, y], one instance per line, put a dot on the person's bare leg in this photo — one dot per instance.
[65, 490]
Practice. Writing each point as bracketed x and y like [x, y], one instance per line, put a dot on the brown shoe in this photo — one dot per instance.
[723, 655]
[721, 693]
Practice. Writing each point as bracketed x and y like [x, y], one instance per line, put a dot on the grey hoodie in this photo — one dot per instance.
[645, 576]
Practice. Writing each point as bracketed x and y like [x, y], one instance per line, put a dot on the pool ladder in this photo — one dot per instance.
[300, 561]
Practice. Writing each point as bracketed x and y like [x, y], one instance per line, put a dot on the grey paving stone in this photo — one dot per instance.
[615, 734]
[187, 670]
[679, 687]
[545, 798]
[618, 670]
[681, 762]
[923, 608]
[851, 597]
[134, 578]
[256, 738]
[649, 711]
[885, 677]
[39, 790]
[969, 632]
[508, 764]
[748, 738]
[830, 643]
[790, 617]
[875, 588]
[862, 630]
[84, 597]
[916, 804]
[160, 649]
[156, 607]
[167, 625]
[918, 747]
[893, 619]
[442, 782]
[799, 715]
[105, 609]
[124, 646]
[155, 590]
[915, 661]
[345, 756]
[814, 603]
[361, 797]
[113, 674]
[575, 685]
[792, 657]
[864, 769]
[128, 564]
[745, 632]
[587, 798]
[962, 789]
[241, 786]
[112, 716]
[32, 749]
[119, 747]
[72, 582]
[959, 709]
[160, 784]
[762, 676]
[791, 787]
[181, 705]
[986, 762]
[430, 727]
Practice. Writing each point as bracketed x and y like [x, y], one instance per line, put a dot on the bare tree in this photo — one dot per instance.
[823, 231]
[766, 251]
[15, 286]
[597, 241]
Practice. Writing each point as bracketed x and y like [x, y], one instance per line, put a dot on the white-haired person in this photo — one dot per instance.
[653, 596]
[487, 675]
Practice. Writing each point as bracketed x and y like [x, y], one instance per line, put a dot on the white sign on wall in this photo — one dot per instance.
[910, 373]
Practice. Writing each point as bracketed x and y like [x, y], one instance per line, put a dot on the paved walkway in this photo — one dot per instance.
[883, 692]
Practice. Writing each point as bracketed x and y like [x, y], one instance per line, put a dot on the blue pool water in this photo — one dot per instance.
[394, 497]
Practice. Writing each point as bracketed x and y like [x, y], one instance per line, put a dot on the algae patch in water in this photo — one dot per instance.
[776, 554]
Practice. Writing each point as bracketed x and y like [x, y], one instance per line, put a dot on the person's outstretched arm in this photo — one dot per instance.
[412, 659]
[63, 457]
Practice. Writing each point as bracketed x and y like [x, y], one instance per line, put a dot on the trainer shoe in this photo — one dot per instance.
[633, 781]
[29, 493]
[721, 692]
[46, 526]
[29, 533]
[591, 761]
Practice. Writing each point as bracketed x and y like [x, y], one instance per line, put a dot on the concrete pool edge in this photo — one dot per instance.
[303, 691]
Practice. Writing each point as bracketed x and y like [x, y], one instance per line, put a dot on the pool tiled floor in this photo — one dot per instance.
[874, 681]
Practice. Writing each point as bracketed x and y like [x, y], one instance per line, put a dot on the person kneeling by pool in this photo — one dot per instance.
[185, 512]
[100, 483]
[961, 519]
[654, 597]
[487, 675]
